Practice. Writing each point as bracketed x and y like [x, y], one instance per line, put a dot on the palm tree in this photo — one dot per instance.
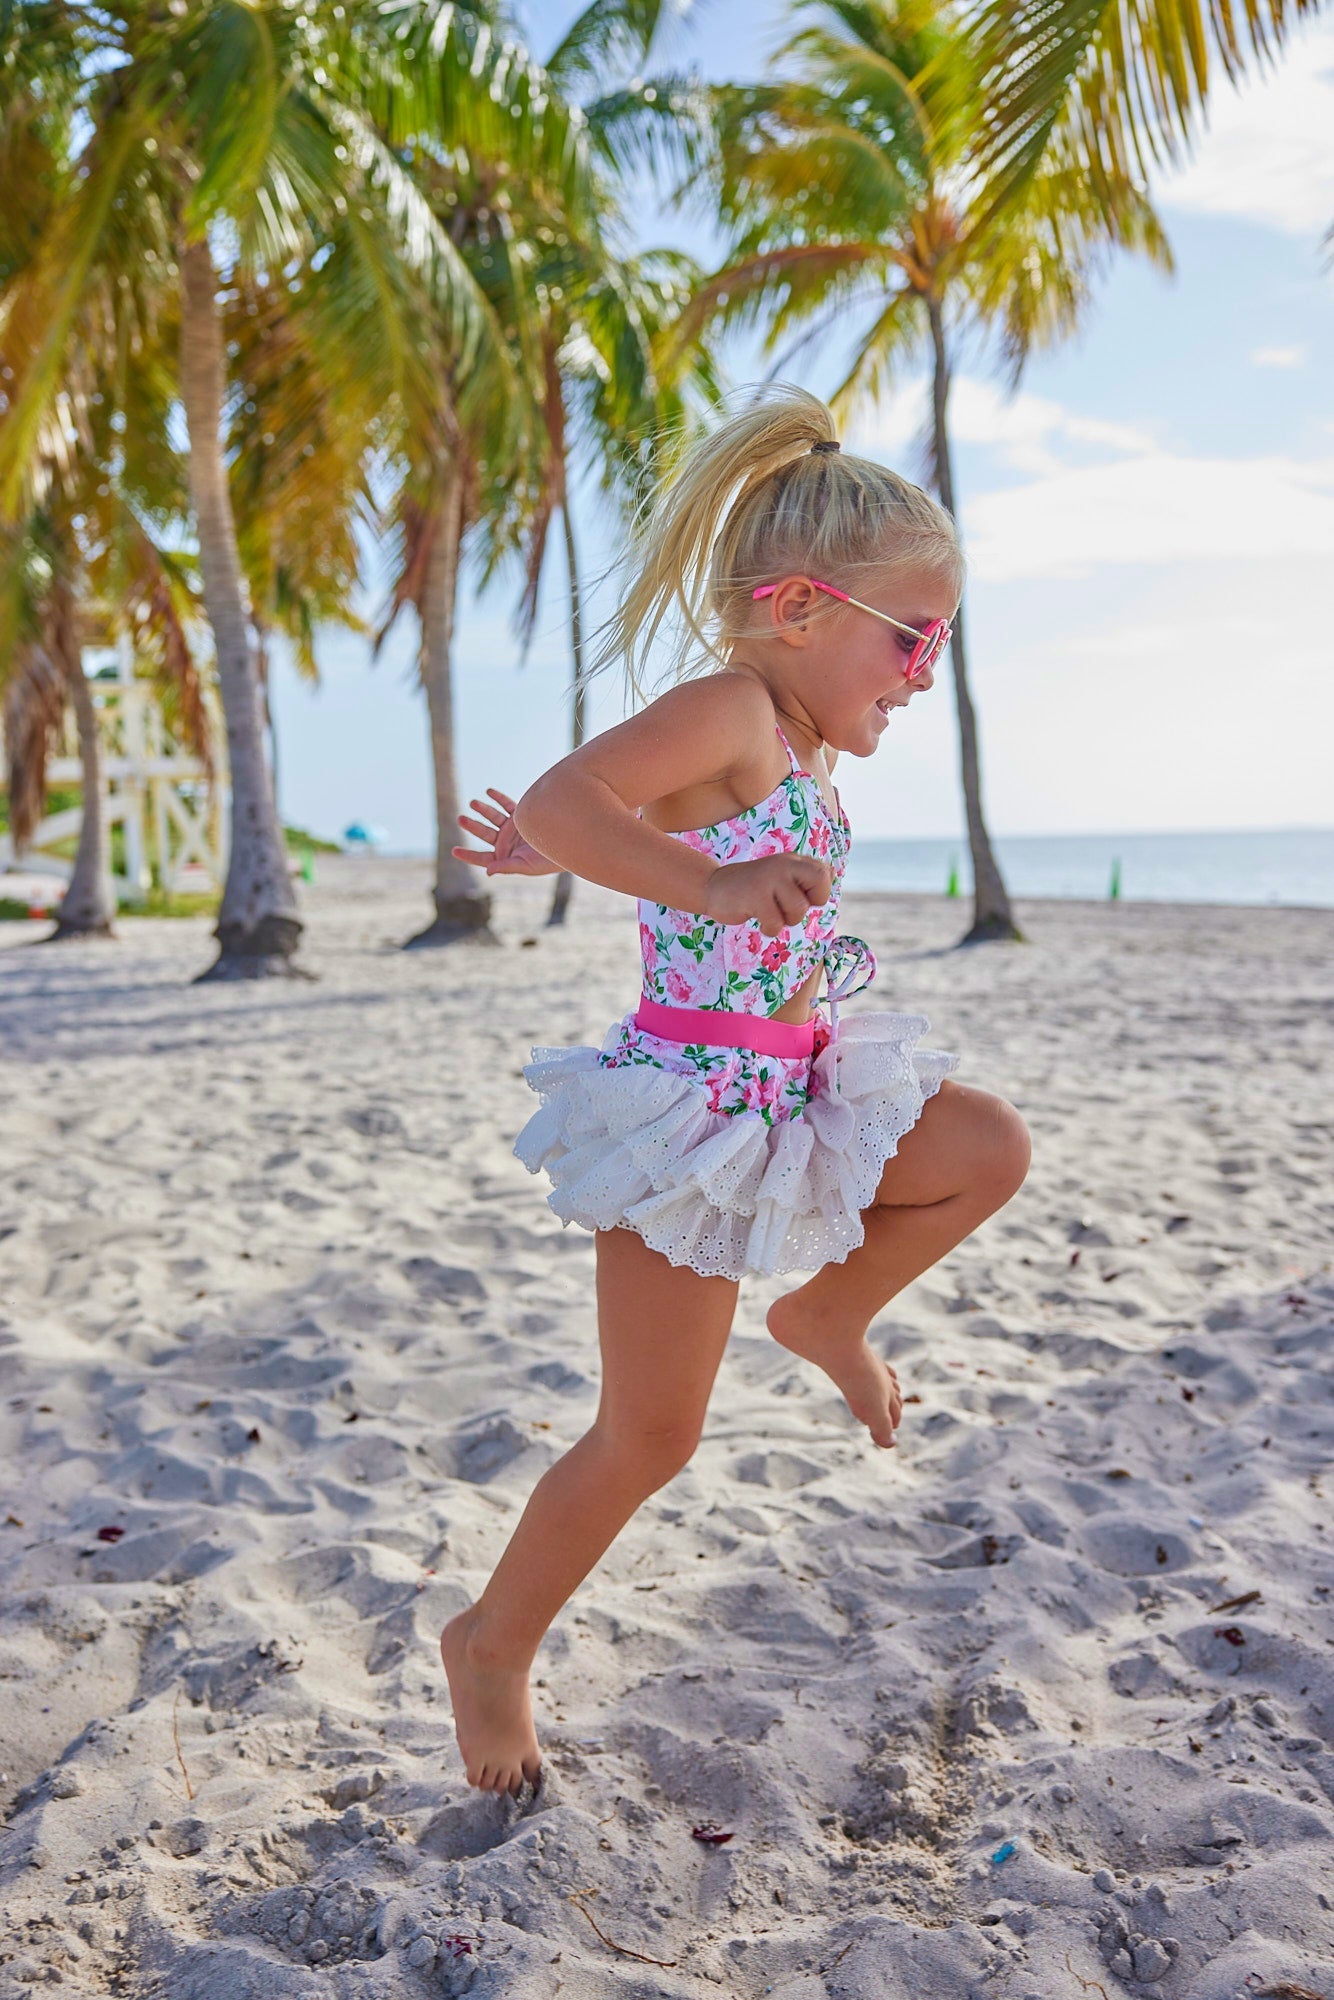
[41, 676]
[604, 391]
[84, 571]
[87, 560]
[270, 137]
[859, 187]
[609, 401]
[300, 445]
[470, 446]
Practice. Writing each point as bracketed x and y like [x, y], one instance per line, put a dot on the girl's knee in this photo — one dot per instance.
[1007, 1150]
[648, 1454]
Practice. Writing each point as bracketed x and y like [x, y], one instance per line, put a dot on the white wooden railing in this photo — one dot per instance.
[154, 789]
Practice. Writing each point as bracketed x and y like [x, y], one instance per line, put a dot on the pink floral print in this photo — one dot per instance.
[691, 961]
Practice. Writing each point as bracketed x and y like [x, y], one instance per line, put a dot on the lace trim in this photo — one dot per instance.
[638, 1148]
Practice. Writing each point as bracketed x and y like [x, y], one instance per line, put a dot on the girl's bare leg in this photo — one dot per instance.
[962, 1160]
[662, 1332]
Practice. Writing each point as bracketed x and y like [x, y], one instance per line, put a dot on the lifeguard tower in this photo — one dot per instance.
[173, 819]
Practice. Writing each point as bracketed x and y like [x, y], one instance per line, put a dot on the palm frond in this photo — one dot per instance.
[45, 299]
[1117, 85]
[439, 75]
[769, 280]
[1030, 271]
[606, 36]
[34, 708]
[232, 91]
[662, 126]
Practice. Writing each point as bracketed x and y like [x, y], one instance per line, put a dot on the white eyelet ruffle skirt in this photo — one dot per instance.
[637, 1147]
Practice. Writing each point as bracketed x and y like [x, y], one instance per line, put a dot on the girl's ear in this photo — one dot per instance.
[790, 603]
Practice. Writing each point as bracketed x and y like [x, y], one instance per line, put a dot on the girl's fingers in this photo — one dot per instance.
[501, 798]
[792, 902]
[480, 828]
[488, 812]
[816, 882]
[477, 859]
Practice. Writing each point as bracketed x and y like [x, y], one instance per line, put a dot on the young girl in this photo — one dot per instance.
[721, 1128]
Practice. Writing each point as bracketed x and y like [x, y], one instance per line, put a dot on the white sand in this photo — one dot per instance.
[234, 1220]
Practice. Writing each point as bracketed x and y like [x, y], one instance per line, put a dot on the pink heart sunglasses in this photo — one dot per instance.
[930, 644]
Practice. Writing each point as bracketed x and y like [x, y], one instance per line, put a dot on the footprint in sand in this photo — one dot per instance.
[480, 1456]
[1133, 1548]
[783, 1470]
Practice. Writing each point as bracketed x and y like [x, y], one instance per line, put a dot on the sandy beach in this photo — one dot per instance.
[1039, 1706]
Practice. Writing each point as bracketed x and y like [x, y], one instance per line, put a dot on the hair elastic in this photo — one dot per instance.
[827, 444]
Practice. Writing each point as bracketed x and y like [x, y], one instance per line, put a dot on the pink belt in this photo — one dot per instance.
[765, 1037]
[722, 1030]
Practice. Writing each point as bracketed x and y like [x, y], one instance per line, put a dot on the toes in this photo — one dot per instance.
[509, 1778]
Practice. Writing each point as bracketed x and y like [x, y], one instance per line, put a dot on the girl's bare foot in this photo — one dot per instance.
[493, 1715]
[869, 1385]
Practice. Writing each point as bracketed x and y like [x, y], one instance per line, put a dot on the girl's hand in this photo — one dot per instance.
[776, 892]
[506, 852]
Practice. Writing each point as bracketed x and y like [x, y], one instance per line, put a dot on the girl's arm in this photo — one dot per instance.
[583, 812]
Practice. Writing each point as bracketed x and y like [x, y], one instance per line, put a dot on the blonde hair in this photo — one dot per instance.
[751, 503]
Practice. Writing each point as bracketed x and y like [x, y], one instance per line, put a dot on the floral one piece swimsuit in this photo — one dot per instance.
[695, 962]
[729, 1141]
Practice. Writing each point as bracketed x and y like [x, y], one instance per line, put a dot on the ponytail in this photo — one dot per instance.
[752, 502]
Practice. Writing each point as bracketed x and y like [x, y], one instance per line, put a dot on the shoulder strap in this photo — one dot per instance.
[793, 765]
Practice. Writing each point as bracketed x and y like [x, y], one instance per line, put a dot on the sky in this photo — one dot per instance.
[1148, 521]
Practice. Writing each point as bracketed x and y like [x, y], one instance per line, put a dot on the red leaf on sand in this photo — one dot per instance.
[456, 1946]
[109, 1534]
[714, 1835]
[1232, 1633]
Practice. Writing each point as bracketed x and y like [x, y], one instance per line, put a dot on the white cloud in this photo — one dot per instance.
[1136, 502]
[1023, 429]
[1266, 156]
[1279, 357]
[1155, 507]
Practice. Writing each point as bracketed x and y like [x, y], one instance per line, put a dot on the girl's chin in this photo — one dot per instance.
[862, 738]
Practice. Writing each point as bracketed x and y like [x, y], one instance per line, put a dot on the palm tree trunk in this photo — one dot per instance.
[460, 912]
[262, 666]
[89, 904]
[258, 927]
[560, 901]
[992, 915]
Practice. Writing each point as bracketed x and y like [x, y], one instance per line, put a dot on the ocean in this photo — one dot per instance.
[1286, 865]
